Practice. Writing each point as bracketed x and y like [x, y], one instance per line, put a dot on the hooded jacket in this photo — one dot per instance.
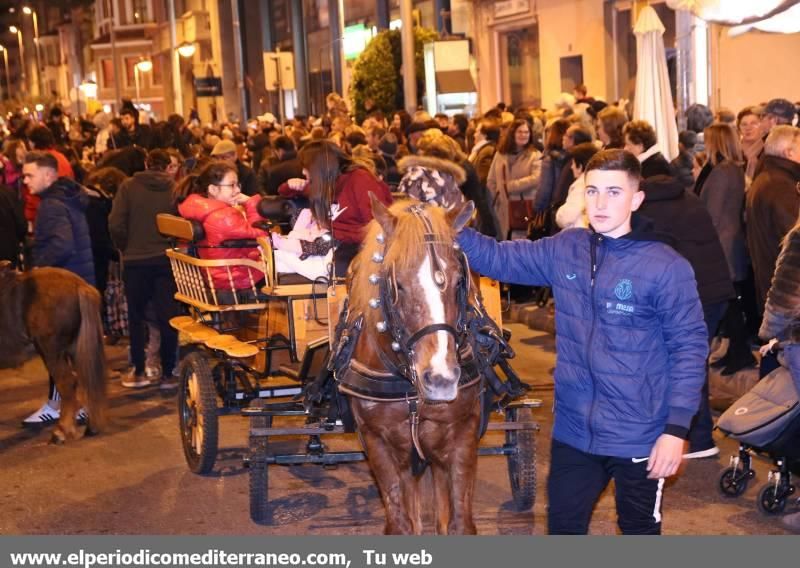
[683, 216]
[132, 221]
[61, 236]
[222, 222]
[772, 204]
[431, 179]
[631, 340]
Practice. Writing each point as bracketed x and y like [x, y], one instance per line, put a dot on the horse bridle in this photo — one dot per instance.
[403, 342]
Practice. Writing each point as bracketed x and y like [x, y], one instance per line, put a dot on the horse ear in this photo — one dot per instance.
[459, 217]
[382, 215]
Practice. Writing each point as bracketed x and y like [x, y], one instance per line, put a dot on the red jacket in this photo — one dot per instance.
[223, 222]
[352, 197]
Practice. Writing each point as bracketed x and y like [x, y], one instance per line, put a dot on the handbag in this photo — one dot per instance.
[115, 315]
[540, 225]
[520, 210]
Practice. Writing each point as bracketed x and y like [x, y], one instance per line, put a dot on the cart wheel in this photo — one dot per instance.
[767, 501]
[730, 486]
[259, 473]
[197, 412]
[522, 463]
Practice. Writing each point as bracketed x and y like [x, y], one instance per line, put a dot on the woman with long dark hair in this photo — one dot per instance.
[338, 189]
[555, 157]
[514, 175]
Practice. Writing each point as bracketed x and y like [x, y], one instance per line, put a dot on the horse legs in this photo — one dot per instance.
[441, 494]
[462, 471]
[67, 384]
[399, 488]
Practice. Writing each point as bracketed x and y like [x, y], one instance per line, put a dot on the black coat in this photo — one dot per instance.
[772, 204]
[247, 179]
[12, 225]
[656, 165]
[684, 217]
[272, 176]
[473, 189]
[782, 311]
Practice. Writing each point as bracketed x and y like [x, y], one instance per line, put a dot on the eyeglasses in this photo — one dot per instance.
[237, 184]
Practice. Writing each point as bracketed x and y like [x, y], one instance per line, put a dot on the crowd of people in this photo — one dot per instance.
[83, 194]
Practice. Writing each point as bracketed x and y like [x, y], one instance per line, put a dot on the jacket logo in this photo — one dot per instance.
[624, 290]
[572, 276]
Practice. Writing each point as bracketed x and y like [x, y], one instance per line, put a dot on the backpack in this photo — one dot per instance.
[760, 416]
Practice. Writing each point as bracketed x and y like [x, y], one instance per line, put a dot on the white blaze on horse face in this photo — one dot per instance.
[433, 299]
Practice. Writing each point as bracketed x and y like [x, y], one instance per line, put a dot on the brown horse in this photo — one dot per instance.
[58, 314]
[414, 400]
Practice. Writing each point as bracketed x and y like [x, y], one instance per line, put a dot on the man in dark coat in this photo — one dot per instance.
[147, 274]
[772, 204]
[272, 175]
[640, 140]
[138, 134]
[13, 225]
[61, 239]
[683, 216]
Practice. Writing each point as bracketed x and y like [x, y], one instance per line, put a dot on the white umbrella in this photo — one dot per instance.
[653, 101]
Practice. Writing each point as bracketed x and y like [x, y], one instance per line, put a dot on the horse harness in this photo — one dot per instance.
[479, 341]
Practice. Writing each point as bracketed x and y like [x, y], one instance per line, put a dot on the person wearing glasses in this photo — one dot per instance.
[214, 198]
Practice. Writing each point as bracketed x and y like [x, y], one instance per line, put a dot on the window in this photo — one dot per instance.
[130, 73]
[156, 75]
[141, 13]
[108, 73]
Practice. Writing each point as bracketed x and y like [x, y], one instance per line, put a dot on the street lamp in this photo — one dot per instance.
[8, 78]
[15, 30]
[28, 11]
[143, 66]
[186, 49]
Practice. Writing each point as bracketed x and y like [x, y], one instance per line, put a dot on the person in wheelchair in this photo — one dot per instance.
[338, 189]
[213, 197]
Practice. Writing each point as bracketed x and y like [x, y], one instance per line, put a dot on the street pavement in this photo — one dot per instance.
[132, 479]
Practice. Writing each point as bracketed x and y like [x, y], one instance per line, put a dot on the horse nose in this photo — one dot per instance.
[437, 381]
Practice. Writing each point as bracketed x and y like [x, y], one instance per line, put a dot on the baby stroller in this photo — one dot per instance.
[766, 421]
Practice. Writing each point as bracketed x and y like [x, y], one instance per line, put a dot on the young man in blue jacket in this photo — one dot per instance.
[631, 345]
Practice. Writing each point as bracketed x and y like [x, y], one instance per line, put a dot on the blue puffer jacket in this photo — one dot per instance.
[61, 236]
[631, 341]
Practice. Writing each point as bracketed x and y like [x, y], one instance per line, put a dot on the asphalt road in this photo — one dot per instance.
[132, 478]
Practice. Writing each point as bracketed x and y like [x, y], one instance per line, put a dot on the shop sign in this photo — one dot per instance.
[208, 86]
[511, 8]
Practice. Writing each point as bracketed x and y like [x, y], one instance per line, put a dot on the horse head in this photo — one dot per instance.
[418, 283]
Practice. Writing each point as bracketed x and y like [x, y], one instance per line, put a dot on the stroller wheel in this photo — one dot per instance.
[733, 482]
[768, 501]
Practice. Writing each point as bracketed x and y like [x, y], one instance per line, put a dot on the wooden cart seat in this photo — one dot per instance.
[232, 346]
[197, 332]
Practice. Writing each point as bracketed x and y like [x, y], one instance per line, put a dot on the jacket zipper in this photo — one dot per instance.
[596, 241]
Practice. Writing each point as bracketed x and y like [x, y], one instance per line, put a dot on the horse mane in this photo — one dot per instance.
[402, 249]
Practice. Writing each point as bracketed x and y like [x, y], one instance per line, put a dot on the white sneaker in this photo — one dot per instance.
[45, 415]
[136, 381]
[82, 416]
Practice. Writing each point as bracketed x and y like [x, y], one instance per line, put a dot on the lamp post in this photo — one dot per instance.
[8, 78]
[16, 30]
[143, 66]
[28, 11]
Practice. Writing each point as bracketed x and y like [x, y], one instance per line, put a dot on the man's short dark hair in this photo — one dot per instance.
[284, 143]
[128, 111]
[582, 153]
[491, 129]
[640, 132]
[580, 134]
[42, 138]
[42, 160]
[461, 121]
[616, 160]
[356, 139]
[698, 117]
[158, 160]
